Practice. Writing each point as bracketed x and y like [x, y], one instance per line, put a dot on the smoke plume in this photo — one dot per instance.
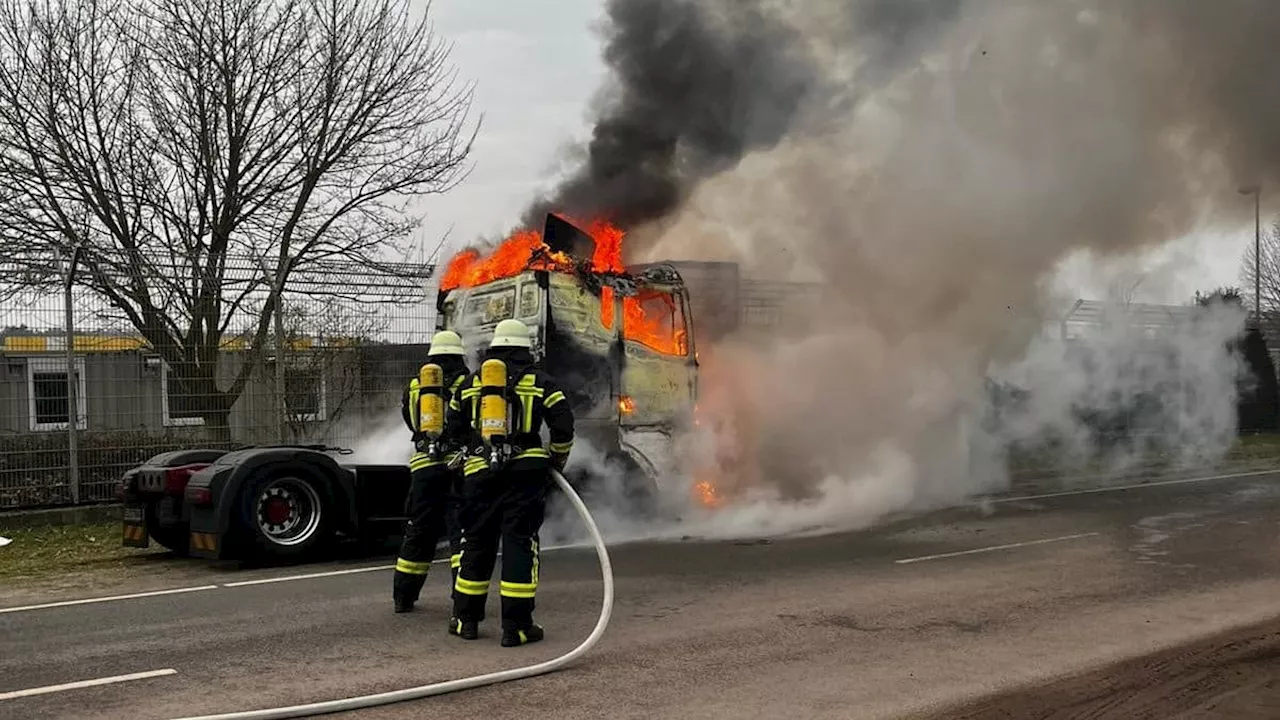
[930, 166]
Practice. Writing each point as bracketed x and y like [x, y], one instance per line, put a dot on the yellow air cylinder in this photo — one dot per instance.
[493, 401]
[431, 400]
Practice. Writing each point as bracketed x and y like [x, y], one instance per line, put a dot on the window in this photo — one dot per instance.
[48, 404]
[655, 319]
[490, 307]
[529, 300]
[181, 405]
[304, 394]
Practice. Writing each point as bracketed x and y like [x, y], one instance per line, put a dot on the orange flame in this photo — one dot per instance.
[654, 319]
[626, 405]
[525, 250]
[707, 494]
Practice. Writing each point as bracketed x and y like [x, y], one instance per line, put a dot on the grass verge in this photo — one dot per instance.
[50, 549]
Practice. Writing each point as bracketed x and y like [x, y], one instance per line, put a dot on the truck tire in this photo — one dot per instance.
[176, 538]
[640, 489]
[285, 515]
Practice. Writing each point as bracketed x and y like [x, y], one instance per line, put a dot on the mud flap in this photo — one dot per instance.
[205, 545]
[134, 527]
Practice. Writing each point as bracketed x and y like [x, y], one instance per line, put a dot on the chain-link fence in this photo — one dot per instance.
[143, 370]
[182, 369]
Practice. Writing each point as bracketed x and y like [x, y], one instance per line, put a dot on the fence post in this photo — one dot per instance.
[73, 384]
[282, 406]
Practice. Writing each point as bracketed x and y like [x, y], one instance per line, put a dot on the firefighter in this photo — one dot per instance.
[507, 476]
[432, 505]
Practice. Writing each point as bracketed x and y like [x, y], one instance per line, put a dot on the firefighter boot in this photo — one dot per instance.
[465, 629]
[523, 636]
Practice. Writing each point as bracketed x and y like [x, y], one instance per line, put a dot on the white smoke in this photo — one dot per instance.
[935, 212]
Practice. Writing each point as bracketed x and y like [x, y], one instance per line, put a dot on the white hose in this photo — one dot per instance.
[441, 688]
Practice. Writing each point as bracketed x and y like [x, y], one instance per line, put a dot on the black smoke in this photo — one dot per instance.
[694, 85]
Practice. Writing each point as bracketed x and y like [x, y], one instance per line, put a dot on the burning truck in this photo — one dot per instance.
[619, 339]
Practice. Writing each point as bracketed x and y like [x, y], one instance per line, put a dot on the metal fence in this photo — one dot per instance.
[329, 370]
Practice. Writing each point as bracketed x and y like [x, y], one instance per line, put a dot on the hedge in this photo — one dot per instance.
[35, 468]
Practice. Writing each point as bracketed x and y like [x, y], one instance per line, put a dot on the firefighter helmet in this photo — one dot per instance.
[511, 333]
[446, 342]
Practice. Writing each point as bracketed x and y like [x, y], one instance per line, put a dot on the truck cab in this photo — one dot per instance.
[620, 344]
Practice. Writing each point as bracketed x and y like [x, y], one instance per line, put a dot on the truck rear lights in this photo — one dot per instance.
[176, 479]
[199, 496]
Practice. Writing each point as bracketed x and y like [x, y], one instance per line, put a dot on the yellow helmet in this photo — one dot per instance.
[511, 333]
[446, 342]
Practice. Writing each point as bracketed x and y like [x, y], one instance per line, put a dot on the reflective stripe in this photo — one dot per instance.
[471, 587]
[411, 567]
[553, 399]
[524, 591]
[474, 465]
[415, 392]
[453, 404]
[533, 453]
[533, 545]
[455, 561]
[561, 448]
[422, 461]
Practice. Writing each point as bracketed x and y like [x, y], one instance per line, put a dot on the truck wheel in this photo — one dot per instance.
[286, 516]
[640, 489]
[175, 538]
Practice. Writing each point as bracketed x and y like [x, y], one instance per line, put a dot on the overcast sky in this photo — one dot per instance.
[536, 67]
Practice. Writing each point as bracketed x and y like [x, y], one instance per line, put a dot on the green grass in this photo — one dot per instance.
[52, 549]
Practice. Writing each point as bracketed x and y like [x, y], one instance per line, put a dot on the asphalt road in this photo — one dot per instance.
[902, 620]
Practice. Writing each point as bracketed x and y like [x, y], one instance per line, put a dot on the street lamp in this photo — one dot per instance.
[1256, 192]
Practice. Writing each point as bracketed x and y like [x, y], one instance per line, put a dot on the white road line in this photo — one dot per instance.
[308, 576]
[352, 571]
[993, 548]
[109, 598]
[86, 683]
[1136, 486]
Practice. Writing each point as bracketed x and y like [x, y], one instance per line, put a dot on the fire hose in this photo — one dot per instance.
[449, 686]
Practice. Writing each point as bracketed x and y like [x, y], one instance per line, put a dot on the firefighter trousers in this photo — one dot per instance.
[507, 505]
[432, 511]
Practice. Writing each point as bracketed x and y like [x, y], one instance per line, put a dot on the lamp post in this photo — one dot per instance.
[1256, 192]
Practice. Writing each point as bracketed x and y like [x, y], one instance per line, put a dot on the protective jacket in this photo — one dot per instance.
[533, 398]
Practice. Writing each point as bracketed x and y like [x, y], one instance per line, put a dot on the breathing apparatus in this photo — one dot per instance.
[495, 406]
[431, 393]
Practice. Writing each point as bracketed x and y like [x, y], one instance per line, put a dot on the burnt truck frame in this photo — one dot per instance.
[630, 400]
[286, 502]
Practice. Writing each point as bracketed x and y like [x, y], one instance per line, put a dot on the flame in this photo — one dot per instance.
[654, 319]
[626, 405]
[606, 307]
[707, 494]
[525, 250]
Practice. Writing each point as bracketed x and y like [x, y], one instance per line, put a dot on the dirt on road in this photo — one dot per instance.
[1233, 675]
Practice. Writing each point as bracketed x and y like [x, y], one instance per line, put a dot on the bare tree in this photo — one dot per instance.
[157, 138]
[1269, 287]
[321, 355]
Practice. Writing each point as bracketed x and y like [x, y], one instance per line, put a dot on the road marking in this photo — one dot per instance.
[308, 576]
[993, 548]
[352, 571]
[1136, 486]
[110, 598]
[86, 683]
